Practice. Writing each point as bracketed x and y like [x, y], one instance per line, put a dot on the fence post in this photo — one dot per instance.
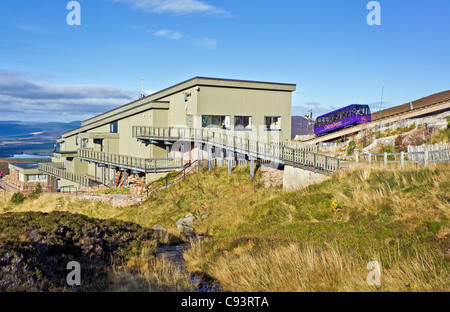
[425, 158]
[198, 156]
[402, 159]
[385, 160]
[209, 157]
[229, 164]
[357, 158]
[370, 159]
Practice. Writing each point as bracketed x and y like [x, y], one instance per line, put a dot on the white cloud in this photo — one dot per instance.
[168, 34]
[25, 100]
[177, 7]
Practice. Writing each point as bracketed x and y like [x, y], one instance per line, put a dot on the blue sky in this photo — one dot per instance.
[52, 71]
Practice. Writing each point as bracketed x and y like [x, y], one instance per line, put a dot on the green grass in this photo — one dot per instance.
[116, 190]
[262, 239]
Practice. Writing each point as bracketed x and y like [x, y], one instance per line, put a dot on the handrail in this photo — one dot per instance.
[303, 155]
[77, 178]
[188, 165]
[145, 164]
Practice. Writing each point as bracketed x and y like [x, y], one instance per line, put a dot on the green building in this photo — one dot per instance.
[113, 141]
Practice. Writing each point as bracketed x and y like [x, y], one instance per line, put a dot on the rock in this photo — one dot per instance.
[188, 220]
[184, 225]
[159, 228]
[185, 229]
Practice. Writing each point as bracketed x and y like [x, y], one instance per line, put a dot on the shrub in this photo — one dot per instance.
[37, 191]
[17, 198]
[351, 147]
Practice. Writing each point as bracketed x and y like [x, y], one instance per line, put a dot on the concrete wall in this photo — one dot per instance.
[296, 178]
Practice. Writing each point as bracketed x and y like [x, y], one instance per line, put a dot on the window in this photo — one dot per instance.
[242, 123]
[216, 121]
[37, 177]
[113, 127]
[272, 123]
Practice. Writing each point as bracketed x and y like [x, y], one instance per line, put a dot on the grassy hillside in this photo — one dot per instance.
[265, 240]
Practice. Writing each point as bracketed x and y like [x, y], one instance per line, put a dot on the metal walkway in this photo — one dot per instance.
[298, 155]
[124, 162]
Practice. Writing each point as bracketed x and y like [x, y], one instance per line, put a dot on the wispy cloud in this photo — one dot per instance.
[25, 100]
[177, 7]
[207, 43]
[33, 28]
[168, 34]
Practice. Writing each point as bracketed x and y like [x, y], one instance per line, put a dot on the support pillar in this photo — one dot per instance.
[199, 156]
[209, 157]
[182, 154]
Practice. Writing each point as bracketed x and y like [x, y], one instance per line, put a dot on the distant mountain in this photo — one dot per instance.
[17, 137]
[300, 126]
[11, 128]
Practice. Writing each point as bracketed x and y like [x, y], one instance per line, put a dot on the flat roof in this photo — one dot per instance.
[26, 166]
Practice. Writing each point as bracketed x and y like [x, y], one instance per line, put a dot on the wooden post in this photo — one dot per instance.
[252, 170]
[385, 160]
[357, 158]
[425, 157]
[229, 165]
[402, 159]
[370, 159]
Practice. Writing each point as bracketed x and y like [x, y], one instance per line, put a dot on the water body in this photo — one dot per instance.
[25, 156]
[174, 254]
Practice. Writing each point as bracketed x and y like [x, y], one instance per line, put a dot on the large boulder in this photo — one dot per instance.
[184, 225]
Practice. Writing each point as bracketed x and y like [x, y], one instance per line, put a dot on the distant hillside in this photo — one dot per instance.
[300, 126]
[8, 128]
[18, 137]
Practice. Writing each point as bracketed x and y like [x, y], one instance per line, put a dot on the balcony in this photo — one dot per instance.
[57, 170]
[124, 162]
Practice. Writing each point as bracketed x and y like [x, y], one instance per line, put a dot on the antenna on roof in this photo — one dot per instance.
[142, 89]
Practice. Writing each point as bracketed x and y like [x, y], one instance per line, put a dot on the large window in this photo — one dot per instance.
[272, 123]
[37, 177]
[113, 127]
[242, 122]
[216, 121]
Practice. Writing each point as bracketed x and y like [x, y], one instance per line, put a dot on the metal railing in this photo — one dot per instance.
[400, 158]
[285, 152]
[188, 168]
[130, 162]
[56, 171]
